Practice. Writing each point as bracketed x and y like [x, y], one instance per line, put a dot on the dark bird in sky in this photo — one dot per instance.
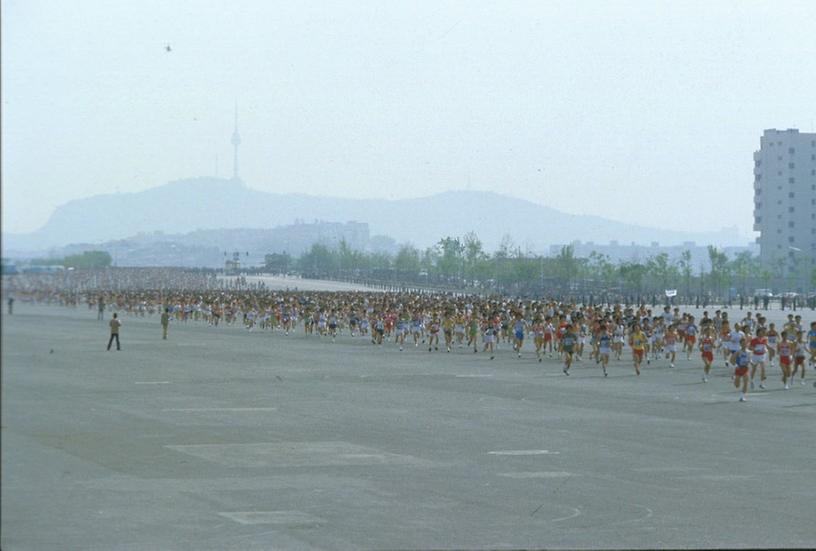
[168, 48]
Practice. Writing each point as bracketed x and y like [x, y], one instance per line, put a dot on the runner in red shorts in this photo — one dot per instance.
[707, 348]
[742, 359]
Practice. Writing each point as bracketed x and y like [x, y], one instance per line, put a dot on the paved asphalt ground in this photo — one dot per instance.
[222, 439]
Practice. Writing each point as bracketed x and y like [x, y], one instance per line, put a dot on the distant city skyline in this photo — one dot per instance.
[647, 113]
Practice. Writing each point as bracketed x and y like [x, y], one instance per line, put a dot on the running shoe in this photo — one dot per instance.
[566, 372]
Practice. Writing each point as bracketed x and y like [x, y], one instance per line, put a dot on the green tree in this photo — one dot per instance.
[566, 265]
[632, 273]
[88, 260]
[685, 267]
[719, 272]
[450, 251]
[475, 257]
[407, 262]
[318, 262]
[741, 266]
[278, 262]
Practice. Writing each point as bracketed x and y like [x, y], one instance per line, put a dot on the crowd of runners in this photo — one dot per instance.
[535, 329]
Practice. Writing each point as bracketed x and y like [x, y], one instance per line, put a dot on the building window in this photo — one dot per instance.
[790, 239]
[791, 194]
[758, 219]
[791, 151]
[790, 209]
[790, 224]
[791, 180]
[791, 165]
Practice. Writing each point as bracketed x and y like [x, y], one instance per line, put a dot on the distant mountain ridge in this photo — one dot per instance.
[209, 203]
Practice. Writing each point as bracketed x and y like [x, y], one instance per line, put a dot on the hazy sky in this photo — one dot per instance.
[639, 111]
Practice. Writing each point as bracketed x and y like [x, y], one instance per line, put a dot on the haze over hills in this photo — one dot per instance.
[210, 203]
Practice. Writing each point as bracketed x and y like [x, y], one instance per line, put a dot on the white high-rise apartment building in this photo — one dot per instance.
[785, 202]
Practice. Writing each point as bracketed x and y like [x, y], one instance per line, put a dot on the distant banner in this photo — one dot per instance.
[671, 292]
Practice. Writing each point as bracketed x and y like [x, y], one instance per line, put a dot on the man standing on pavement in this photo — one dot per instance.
[165, 322]
[115, 324]
[101, 308]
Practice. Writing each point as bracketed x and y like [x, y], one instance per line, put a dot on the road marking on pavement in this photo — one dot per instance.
[576, 512]
[522, 452]
[718, 477]
[219, 409]
[272, 517]
[152, 382]
[538, 474]
[294, 454]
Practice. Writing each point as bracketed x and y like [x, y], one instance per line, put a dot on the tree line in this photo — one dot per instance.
[462, 263]
[87, 260]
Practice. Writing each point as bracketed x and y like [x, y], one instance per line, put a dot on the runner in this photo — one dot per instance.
[433, 341]
[490, 336]
[568, 343]
[759, 345]
[741, 360]
[800, 354]
[691, 337]
[604, 347]
[707, 344]
[637, 340]
[671, 344]
[519, 324]
[785, 352]
[773, 341]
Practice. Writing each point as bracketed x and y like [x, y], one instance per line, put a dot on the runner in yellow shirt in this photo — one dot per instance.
[637, 340]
